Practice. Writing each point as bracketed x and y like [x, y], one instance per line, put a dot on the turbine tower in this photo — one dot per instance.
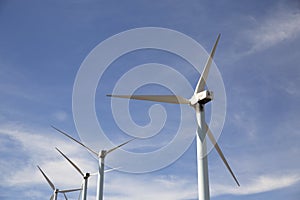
[197, 101]
[101, 156]
[56, 190]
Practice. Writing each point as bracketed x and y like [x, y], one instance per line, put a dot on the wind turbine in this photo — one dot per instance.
[85, 176]
[101, 156]
[56, 190]
[197, 101]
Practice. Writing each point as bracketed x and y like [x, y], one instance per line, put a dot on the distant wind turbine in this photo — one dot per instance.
[56, 190]
[101, 156]
[197, 101]
[85, 176]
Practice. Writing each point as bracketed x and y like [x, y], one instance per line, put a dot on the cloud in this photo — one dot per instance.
[35, 148]
[32, 149]
[261, 184]
[279, 25]
[24, 149]
[60, 115]
[135, 187]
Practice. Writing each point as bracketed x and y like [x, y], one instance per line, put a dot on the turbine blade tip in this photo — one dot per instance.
[54, 127]
[58, 150]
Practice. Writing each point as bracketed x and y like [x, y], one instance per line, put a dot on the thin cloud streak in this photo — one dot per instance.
[261, 184]
[150, 187]
[38, 149]
[275, 28]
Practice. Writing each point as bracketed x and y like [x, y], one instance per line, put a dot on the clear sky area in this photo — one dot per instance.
[45, 44]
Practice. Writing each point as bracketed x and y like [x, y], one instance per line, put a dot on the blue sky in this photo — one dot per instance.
[43, 44]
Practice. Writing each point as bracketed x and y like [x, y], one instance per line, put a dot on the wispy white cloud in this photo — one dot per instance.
[176, 187]
[60, 115]
[117, 185]
[279, 25]
[261, 184]
[39, 148]
[290, 87]
[135, 187]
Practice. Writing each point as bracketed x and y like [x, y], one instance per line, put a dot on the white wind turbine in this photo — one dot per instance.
[197, 101]
[101, 156]
[85, 176]
[56, 190]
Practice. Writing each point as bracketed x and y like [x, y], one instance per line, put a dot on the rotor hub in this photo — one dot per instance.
[201, 97]
[102, 154]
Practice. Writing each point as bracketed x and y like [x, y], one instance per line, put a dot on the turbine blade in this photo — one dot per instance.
[202, 81]
[94, 174]
[72, 163]
[105, 171]
[214, 142]
[80, 191]
[47, 179]
[157, 98]
[65, 196]
[110, 150]
[112, 169]
[52, 196]
[91, 150]
[70, 190]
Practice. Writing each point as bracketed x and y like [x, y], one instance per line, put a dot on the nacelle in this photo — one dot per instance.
[202, 97]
